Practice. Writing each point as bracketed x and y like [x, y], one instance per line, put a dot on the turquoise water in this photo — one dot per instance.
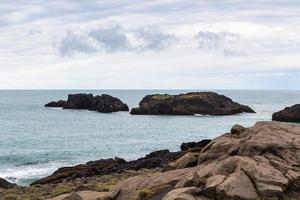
[35, 141]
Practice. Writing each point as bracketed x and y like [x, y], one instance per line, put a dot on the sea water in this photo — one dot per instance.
[35, 140]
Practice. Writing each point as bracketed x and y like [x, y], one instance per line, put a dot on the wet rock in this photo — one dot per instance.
[100, 167]
[5, 184]
[289, 114]
[157, 159]
[205, 103]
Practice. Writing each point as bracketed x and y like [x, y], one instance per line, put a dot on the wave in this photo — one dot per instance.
[28, 172]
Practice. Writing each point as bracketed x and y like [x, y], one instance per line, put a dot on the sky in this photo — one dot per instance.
[150, 44]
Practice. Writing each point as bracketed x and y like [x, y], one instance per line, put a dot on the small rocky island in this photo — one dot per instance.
[205, 103]
[288, 114]
[261, 162]
[101, 103]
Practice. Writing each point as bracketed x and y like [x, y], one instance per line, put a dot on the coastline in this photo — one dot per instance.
[178, 171]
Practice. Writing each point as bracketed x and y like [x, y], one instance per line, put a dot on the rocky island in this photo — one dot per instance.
[288, 114]
[205, 103]
[260, 162]
[101, 103]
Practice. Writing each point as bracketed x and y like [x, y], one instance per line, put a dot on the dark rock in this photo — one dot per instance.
[289, 114]
[153, 160]
[79, 101]
[59, 104]
[206, 103]
[5, 184]
[100, 167]
[104, 103]
[156, 159]
[192, 145]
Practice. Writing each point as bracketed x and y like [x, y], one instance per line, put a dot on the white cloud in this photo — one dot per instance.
[167, 44]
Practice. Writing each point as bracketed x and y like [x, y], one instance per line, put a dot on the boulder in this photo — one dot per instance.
[84, 195]
[237, 129]
[187, 160]
[205, 103]
[288, 114]
[104, 103]
[5, 184]
[187, 193]
[236, 186]
[59, 104]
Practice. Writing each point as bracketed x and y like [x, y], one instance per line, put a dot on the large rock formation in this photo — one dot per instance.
[289, 114]
[104, 103]
[205, 103]
[253, 163]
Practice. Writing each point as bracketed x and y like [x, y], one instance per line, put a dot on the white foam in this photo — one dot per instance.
[23, 174]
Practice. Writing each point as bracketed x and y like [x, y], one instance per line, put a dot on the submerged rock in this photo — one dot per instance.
[205, 103]
[104, 103]
[5, 184]
[289, 114]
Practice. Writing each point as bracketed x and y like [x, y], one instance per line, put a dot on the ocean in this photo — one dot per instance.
[35, 140]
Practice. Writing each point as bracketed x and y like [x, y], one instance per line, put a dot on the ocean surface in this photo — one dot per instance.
[35, 140]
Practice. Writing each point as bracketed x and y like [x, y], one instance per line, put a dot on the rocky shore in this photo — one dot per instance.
[205, 103]
[260, 162]
[101, 103]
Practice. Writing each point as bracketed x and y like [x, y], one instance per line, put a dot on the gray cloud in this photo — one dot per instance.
[218, 41]
[154, 39]
[72, 43]
[113, 39]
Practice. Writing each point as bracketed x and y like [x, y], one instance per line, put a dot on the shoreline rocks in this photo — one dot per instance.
[259, 162]
[288, 114]
[156, 159]
[101, 103]
[205, 103]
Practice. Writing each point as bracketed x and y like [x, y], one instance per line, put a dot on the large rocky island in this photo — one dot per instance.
[205, 103]
[101, 103]
[288, 114]
[261, 162]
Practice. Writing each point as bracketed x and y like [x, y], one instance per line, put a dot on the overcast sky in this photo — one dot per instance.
[150, 44]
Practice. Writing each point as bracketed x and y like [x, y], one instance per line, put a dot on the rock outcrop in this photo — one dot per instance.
[101, 103]
[5, 184]
[289, 114]
[205, 103]
[258, 162]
